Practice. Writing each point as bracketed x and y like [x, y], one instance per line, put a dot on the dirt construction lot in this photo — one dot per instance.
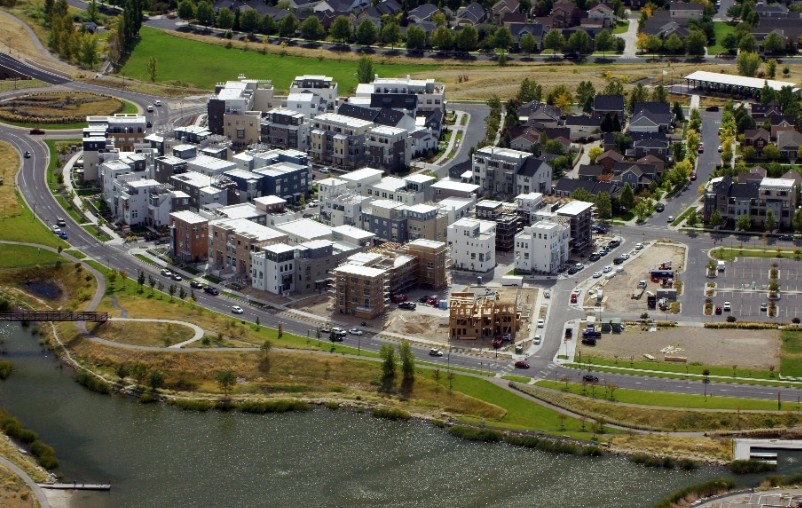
[619, 289]
[745, 348]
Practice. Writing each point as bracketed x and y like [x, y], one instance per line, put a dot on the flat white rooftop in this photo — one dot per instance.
[189, 217]
[574, 208]
[306, 229]
[365, 271]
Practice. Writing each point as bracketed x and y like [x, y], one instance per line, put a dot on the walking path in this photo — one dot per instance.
[37, 490]
[456, 128]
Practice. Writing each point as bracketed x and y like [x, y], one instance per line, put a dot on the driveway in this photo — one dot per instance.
[631, 37]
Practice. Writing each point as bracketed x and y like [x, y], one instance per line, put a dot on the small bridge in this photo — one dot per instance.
[54, 315]
[76, 486]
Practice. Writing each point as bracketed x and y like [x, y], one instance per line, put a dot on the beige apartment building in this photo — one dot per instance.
[233, 241]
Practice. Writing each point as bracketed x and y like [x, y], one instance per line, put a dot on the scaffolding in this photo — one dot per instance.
[473, 316]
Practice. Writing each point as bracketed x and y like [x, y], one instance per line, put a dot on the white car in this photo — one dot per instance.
[236, 309]
[596, 275]
[355, 331]
[547, 293]
[158, 103]
[167, 273]
[537, 340]
[541, 323]
[727, 306]
[670, 218]
[625, 255]
[638, 246]
[435, 352]
[56, 229]
[607, 269]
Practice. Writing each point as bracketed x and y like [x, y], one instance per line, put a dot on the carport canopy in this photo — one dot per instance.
[730, 82]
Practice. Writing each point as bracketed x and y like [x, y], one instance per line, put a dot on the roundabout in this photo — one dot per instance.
[60, 110]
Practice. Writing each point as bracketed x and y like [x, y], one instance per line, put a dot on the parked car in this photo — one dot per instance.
[149, 125]
[398, 297]
[547, 293]
[573, 270]
[660, 207]
[596, 275]
[579, 266]
[618, 260]
[407, 305]
[700, 148]
[435, 352]
[520, 364]
[541, 323]
[569, 332]
[589, 341]
[211, 290]
[625, 255]
[236, 309]
[670, 218]
[693, 176]
[574, 297]
[590, 378]
[196, 284]
[325, 329]
[727, 306]
[638, 246]
[718, 309]
[537, 340]
[712, 108]
[56, 229]
[61, 222]
[612, 244]
[355, 331]
[607, 269]
[786, 238]
[764, 307]
[177, 277]
[595, 256]
[63, 235]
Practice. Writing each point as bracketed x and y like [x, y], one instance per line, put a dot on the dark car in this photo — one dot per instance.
[569, 332]
[595, 256]
[520, 364]
[27, 155]
[787, 238]
[150, 124]
[612, 244]
[618, 260]
[211, 290]
[407, 305]
[37, 131]
[718, 309]
[572, 270]
[589, 341]
[660, 207]
[712, 108]
[590, 378]
[195, 284]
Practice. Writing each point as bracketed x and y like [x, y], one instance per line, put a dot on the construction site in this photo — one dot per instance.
[479, 312]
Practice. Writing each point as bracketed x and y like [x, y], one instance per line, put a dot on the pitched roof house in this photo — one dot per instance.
[502, 8]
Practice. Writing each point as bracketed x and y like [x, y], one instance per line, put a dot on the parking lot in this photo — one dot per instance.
[745, 282]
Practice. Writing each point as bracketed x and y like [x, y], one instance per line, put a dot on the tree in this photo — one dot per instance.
[554, 40]
[693, 219]
[153, 68]
[226, 380]
[172, 290]
[585, 93]
[627, 198]
[88, 56]
[249, 21]
[744, 222]
[416, 38]
[140, 280]
[771, 66]
[529, 91]
[642, 209]
[151, 282]
[264, 360]
[659, 94]
[604, 42]
[366, 33]
[770, 223]
[387, 354]
[579, 42]
[730, 42]
[186, 10]
[407, 361]
[673, 44]
[182, 293]
[442, 38]
[773, 44]
[678, 112]
[604, 205]
[695, 43]
[748, 63]
[582, 195]
[205, 13]
[613, 87]
[287, 26]
[716, 219]
[390, 34]
[155, 380]
[340, 29]
[312, 29]
[139, 371]
[467, 38]
[502, 39]
[527, 43]
[652, 44]
[268, 25]
[639, 94]
[594, 152]
[747, 44]
[771, 152]
[364, 69]
[225, 19]
[122, 371]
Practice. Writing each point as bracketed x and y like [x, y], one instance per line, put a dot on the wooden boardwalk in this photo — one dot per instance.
[76, 486]
[50, 315]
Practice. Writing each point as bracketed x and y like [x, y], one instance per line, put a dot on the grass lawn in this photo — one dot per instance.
[144, 333]
[7, 85]
[684, 215]
[517, 379]
[679, 368]
[664, 399]
[21, 256]
[791, 353]
[730, 253]
[721, 29]
[212, 64]
[621, 27]
[76, 253]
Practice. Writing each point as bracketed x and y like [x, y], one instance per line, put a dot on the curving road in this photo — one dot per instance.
[33, 187]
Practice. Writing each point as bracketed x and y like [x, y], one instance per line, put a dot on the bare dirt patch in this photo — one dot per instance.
[618, 290]
[746, 348]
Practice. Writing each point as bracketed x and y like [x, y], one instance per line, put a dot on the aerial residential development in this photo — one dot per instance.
[554, 229]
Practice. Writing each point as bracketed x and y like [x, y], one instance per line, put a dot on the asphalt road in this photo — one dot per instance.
[33, 187]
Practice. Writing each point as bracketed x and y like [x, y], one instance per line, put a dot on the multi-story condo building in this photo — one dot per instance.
[134, 200]
[126, 130]
[360, 290]
[386, 219]
[338, 140]
[426, 222]
[189, 236]
[201, 189]
[508, 221]
[235, 108]
[431, 94]
[754, 197]
[473, 244]
[542, 248]
[388, 148]
[285, 128]
[322, 86]
[577, 215]
[304, 268]
[504, 173]
[233, 241]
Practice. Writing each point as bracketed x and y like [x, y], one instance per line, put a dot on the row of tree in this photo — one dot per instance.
[64, 40]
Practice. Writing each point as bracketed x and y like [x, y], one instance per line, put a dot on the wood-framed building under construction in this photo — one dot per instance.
[474, 315]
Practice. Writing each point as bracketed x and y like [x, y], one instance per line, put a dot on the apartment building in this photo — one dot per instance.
[399, 190]
[508, 221]
[473, 244]
[542, 248]
[233, 241]
[427, 222]
[481, 315]
[387, 148]
[338, 140]
[431, 94]
[504, 173]
[754, 198]
[202, 189]
[322, 86]
[189, 238]
[432, 259]
[286, 129]
[306, 103]
[577, 215]
[166, 166]
[95, 147]
[133, 200]
[127, 131]
[360, 291]
[235, 108]
[386, 219]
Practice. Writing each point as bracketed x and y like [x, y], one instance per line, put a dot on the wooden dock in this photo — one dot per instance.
[76, 486]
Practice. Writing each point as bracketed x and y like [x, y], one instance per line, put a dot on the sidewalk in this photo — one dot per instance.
[457, 127]
[70, 188]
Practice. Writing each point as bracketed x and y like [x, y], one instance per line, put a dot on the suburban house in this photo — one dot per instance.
[757, 138]
[609, 104]
[686, 10]
[789, 142]
[651, 117]
[422, 13]
[502, 8]
[472, 14]
[603, 13]
[582, 126]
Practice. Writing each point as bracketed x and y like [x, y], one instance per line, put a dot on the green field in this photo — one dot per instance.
[22, 256]
[721, 29]
[664, 399]
[204, 65]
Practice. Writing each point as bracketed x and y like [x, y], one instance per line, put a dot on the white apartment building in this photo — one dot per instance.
[361, 179]
[504, 172]
[338, 140]
[431, 94]
[323, 86]
[543, 247]
[235, 109]
[306, 103]
[134, 200]
[473, 244]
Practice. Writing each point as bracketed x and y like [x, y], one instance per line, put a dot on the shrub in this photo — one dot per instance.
[688, 464]
[5, 369]
[700, 490]
[592, 451]
[476, 434]
[91, 382]
[644, 459]
[390, 413]
[193, 405]
[751, 466]
[331, 405]
[731, 319]
[273, 406]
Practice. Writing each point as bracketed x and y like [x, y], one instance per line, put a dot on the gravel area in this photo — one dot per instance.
[745, 348]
